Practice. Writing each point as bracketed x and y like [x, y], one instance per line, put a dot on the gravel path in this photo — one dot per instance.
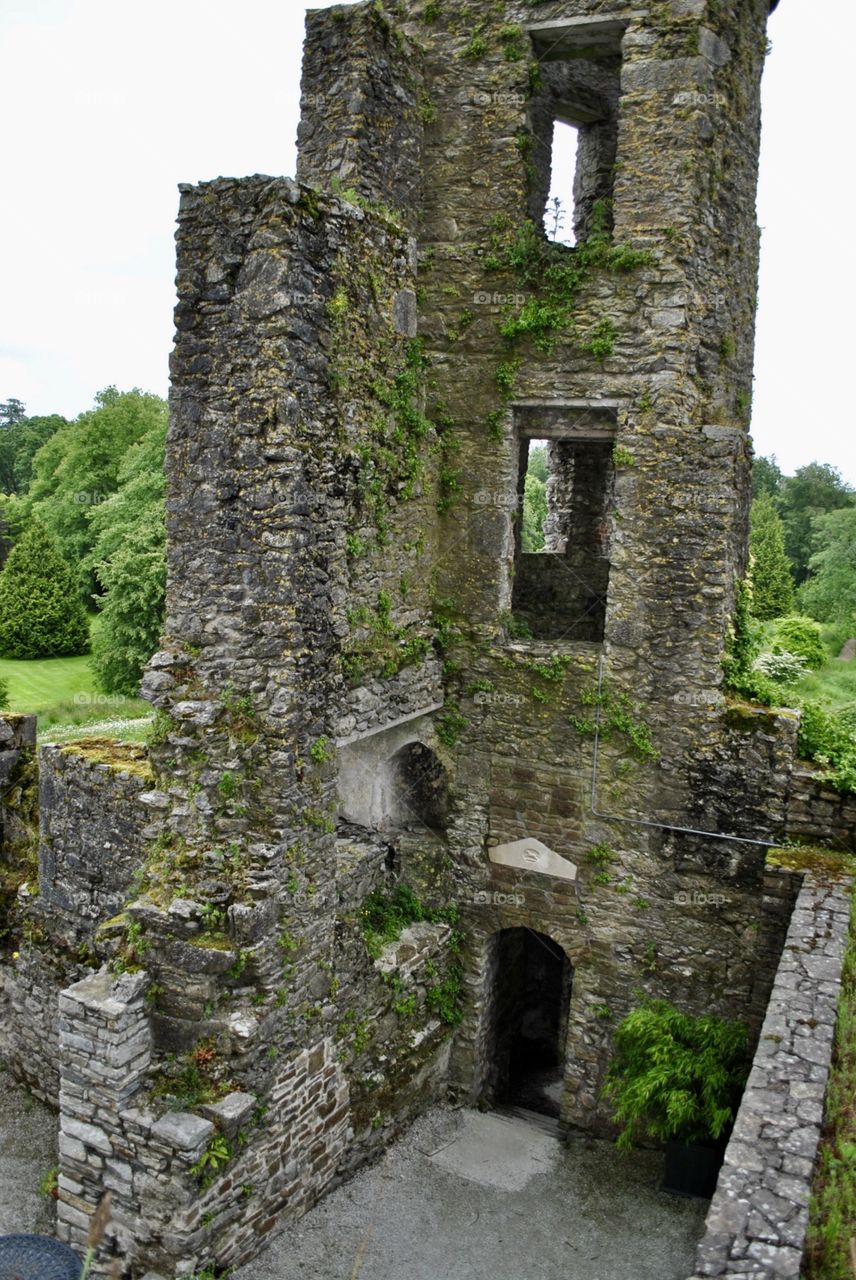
[468, 1196]
[27, 1152]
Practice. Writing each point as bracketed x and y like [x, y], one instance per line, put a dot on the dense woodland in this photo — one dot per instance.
[82, 511]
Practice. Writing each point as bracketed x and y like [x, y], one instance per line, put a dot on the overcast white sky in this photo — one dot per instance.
[109, 105]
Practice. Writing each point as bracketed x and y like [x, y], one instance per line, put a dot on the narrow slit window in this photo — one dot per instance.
[560, 210]
[534, 497]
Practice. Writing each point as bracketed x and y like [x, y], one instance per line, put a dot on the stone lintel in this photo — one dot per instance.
[533, 855]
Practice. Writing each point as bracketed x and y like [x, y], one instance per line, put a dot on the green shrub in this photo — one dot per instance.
[675, 1076]
[384, 915]
[829, 738]
[742, 649]
[40, 611]
[4, 694]
[801, 636]
[781, 666]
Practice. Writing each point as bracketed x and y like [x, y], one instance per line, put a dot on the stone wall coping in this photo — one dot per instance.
[414, 946]
[183, 1130]
[757, 1221]
[17, 731]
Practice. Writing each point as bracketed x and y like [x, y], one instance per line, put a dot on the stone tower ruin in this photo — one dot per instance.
[417, 797]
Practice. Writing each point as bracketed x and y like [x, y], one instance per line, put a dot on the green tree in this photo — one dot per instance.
[675, 1076]
[11, 411]
[40, 612]
[830, 593]
[538, 462]
[19, 442]
[129, 563]
[772, 583]
[767, 478]
[534, 513]
[30, 435]
[78, 468]
[813, 491]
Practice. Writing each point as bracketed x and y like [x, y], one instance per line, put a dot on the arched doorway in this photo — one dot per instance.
[529, 992]
[417, 791]
[388, 785]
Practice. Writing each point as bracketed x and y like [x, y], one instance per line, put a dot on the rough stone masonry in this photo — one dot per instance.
[369, 698]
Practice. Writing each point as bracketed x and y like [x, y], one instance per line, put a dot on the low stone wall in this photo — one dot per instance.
[92, 825]
[29, 1018]
[90, 843]
[758, 1217]
[817, 812]
[185, 1185]
[225, 1175]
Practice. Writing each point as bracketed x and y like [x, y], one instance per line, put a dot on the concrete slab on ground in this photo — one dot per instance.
[471, 1196]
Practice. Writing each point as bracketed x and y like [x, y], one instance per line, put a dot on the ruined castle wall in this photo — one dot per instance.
[362, 108]
[329, 1104]
[294, 322]
[166, 1201]
[674, 530]
[17, 752]
[343, 512]
[18, 819]
[300, 475]
[639, 917]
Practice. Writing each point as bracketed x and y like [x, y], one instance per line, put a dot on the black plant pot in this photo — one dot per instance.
[692, 1168]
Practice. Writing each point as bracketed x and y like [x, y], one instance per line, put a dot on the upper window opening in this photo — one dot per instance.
[561, 204]
[573, 118]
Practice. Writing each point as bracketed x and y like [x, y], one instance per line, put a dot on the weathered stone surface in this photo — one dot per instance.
[759, 1213]
[183, 1130]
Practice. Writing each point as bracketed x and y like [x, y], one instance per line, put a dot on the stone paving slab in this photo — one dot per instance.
[27, 1150]
[431, 1209]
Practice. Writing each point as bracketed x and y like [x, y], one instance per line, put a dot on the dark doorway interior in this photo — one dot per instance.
[530, 1011]
[419, 789]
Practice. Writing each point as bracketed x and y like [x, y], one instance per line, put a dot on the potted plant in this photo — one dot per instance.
[678, 1079]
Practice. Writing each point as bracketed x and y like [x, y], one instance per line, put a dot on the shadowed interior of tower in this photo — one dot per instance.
[530, 1009]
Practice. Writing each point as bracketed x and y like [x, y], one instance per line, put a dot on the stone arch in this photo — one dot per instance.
[393, 781]
[418, 789]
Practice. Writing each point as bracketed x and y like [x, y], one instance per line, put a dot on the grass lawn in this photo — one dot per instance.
[62, 692]
[834, 685]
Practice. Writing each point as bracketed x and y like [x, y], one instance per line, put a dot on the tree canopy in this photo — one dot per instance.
[767, 477]
[20, 441]
[830, 593]
[772, 583]
[128, 560]
[812, 491]
[78, 468]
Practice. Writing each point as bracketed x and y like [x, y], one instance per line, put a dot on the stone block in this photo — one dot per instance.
[184, 1131]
